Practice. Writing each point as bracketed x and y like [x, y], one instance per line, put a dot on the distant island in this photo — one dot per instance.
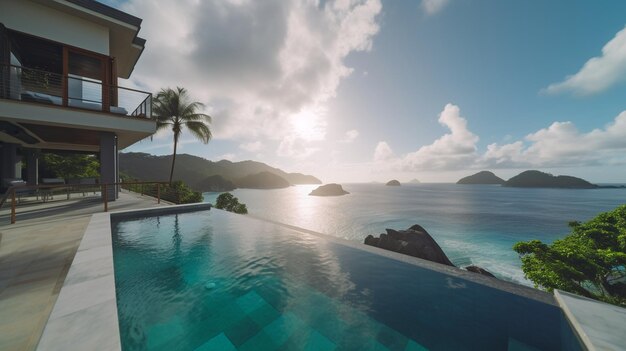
[538, 179]
[534, 179]
[393, 182]
[329, 190]
[204, 175]
[414, 181]
[484, 177]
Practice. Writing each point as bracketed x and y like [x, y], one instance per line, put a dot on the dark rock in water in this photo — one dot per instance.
[414, 241]
[329, 190]
[479, 270]
[371, 240]
[393, 182]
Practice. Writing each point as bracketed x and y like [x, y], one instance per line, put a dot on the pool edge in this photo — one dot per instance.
[85, 315]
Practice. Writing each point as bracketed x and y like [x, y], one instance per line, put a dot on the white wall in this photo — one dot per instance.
[42, 21]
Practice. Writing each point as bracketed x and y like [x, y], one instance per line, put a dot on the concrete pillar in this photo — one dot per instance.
[9, 161]
[32, 167]
[108, 162]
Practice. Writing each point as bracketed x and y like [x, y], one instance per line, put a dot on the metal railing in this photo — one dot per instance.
[35, 85]
[46, 191]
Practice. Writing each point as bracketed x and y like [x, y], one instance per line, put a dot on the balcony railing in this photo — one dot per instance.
[34, 85]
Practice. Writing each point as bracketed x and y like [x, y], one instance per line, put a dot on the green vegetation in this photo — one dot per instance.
[174, 110]
[262, 180]
[537, 179]
[177, 192]
[590, 261]
[228, 202]
[69, 166]
[483, 177]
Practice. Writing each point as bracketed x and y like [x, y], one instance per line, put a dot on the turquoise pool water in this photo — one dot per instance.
[212, 280]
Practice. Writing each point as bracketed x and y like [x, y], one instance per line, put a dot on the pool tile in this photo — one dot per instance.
[260, 341]
[264, 315]
[250, 302]
[308, 340]
[516, 345]
[218, 343]
[332, 328]
[391, 338]
[281, 329]
[414, 346]
[242, 330]
[161, 333]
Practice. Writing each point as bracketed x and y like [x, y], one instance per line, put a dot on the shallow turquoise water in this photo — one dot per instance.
[212, 280]
[473, 223]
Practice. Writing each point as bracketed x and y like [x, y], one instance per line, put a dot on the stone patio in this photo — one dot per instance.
[35, 255]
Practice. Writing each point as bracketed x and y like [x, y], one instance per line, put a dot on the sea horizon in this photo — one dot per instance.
[473, 224]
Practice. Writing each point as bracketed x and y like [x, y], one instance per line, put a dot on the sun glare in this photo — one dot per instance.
[308, 125]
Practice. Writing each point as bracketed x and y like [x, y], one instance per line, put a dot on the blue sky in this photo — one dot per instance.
[372, 90]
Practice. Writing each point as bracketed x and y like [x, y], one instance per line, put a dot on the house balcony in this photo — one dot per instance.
[46, 110]
[37, 86]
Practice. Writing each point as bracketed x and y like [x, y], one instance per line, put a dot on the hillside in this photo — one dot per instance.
[262, 180]
[484, 177]
[537, 179]
[197, 172]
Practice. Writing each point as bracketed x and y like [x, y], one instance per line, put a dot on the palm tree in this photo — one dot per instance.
[173, 109]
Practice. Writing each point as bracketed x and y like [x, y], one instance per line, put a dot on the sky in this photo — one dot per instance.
[372, 90]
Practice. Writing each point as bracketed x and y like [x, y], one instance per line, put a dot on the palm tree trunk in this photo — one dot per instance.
[173, 157]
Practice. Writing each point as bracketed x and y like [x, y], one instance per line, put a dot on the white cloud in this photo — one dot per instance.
[295, 147]
[559, 145]
[432, 7]
[265, 69]
[452, 150]
[383, 152]
[563, 145]
[598, 73]
[253, 146]
[350, 136]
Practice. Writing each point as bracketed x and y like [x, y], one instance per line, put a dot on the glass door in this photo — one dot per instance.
[85, 81]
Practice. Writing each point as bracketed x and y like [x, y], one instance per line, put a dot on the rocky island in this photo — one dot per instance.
[483, 177]
[537, 179]
[393, 182]
[414, 181]
[416, 242]
[329, 190]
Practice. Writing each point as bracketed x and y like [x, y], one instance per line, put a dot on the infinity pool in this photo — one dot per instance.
[213, 280]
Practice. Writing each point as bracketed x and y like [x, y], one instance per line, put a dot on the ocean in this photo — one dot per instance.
[473, 224]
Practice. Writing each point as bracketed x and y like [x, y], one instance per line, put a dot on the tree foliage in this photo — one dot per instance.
[70, 166]
[173, 109]
[590, 261]
[226, 201]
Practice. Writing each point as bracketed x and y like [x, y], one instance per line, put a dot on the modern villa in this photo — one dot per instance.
[59, 67]
[191, 277]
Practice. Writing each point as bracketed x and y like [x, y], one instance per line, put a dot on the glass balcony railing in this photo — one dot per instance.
[33, 85]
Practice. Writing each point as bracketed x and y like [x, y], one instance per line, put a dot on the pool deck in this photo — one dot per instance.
[35, 256]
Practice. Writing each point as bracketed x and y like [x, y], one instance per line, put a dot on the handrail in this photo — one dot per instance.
[11, 192]
[35, 85]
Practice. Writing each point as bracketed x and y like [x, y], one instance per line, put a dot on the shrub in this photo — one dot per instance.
[226, 201]
[590, 261]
